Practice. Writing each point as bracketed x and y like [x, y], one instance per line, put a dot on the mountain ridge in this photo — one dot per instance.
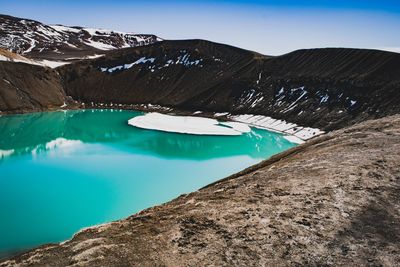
[41, 41]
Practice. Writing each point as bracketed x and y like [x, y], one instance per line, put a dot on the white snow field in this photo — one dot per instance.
[294, 133]
[188, 125]
[206, 126]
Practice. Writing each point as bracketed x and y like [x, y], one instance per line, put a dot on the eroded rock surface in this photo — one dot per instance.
[334, 200]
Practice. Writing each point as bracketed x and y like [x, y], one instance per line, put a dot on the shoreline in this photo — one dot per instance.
[198, 114]
[292, 132]
[225, 116]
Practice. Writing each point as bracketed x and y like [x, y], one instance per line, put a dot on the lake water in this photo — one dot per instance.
[62, 171]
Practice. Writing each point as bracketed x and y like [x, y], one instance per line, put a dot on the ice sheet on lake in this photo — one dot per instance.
[188, 125]
[295, 133]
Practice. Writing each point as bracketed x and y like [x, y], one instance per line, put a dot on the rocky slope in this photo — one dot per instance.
[177, 73]
[40, 41]
[333, 201]
[323, 88]
[27, 88]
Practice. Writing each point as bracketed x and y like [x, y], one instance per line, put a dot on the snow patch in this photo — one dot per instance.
[61, 28]
[52, 64]
[187, 125]
[294, 104]
[238, 126]
[94, 56]
[43, 63]
[281, 91]
[268, 123]
[259, 78]
[324, 99]
[294, 139]
[99, 45]
[7, 81]
[221, 114]
[141, 60]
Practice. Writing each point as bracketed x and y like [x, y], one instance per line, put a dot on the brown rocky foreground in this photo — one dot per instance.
[334, 200]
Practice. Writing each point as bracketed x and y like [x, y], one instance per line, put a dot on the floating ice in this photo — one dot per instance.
[264, 122]
[188, 125]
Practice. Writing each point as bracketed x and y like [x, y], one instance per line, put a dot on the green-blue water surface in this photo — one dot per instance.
[62, 171]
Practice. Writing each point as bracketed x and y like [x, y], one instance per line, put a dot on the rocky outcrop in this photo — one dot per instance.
[333, 201]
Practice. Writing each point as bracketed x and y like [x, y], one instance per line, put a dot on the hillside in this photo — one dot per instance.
[333, 201]
[26, 87]
[325, 88]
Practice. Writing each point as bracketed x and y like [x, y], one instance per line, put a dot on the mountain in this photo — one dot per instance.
[322, 88]
[34, 39]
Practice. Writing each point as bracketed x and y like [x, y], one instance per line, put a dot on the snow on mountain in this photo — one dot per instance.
[6, 55]
[37, 40]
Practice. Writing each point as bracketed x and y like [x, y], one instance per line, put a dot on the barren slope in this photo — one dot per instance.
[28, 88]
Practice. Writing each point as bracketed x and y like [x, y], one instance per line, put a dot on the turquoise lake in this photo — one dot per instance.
[62, 171]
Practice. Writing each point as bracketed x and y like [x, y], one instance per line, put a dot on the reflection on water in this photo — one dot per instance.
[61, 171]
[32, 134]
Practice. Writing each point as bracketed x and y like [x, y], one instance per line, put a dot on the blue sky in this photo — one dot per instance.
[269, 27]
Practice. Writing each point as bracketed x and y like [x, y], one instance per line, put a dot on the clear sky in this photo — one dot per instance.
[269, 27]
